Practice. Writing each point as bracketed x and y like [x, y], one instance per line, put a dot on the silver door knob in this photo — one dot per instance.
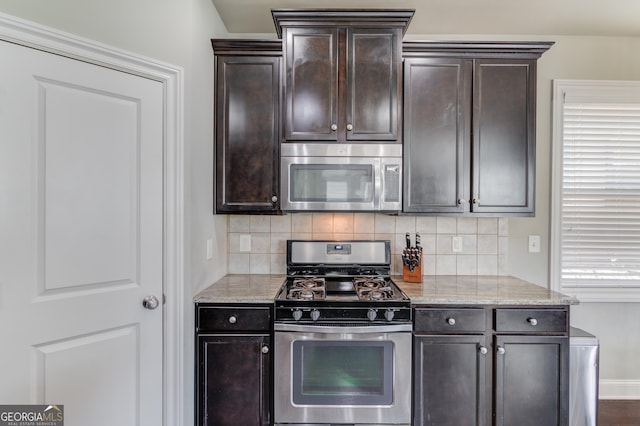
[501, 350]
[150, 302]
[334, 127]
[265, 349]
[483, 350]
[349, 127]
[274, 199]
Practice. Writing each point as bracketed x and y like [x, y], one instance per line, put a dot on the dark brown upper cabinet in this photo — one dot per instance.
[247, 125]
[343, 74]
[469, 127]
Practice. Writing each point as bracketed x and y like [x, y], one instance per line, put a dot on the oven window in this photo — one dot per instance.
[331, 182]
[342, 372]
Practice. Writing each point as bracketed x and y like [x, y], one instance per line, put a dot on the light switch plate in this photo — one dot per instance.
[456, 244]
[245, 243]
[209, 249]
[534, 243]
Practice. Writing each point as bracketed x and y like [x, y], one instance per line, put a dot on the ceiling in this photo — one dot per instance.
[460, 17]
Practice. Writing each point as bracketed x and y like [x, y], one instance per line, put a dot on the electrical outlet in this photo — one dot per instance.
[534, 243]
[245, 243]
[456, 244]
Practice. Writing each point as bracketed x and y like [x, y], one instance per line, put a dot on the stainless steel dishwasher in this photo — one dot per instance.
[584, 355]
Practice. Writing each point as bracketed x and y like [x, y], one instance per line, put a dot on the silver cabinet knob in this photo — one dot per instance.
[274, 199]
[334, 127]
[483, 350]
[451, 321]
[461, 201]
[476, 201]
[501, 350]
[150, 302]
[532, 321]
[265, 349]
[349, 127]
[233, 319]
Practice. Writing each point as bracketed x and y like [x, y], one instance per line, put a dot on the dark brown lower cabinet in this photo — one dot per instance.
[233, 366]
[530, 380]
[507, 367]
[450, 380]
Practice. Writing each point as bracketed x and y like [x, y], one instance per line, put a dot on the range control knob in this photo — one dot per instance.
[315, 314]
[389, 314]
[297, 314]
[372, 314]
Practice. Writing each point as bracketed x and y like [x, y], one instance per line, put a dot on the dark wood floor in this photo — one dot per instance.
[618, 413]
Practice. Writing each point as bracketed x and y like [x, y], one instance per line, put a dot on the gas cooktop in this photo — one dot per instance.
[340, 281]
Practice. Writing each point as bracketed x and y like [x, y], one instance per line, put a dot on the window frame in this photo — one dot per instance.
[599, 91]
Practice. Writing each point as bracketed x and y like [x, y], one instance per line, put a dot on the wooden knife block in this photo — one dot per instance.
[414, 276]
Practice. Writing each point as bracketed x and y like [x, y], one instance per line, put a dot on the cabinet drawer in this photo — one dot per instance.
[456, 320]
[532, 320]
[233, 318]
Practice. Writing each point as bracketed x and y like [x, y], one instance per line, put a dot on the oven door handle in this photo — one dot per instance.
[346, 329]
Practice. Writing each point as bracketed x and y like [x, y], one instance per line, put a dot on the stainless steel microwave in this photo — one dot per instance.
[341, 177]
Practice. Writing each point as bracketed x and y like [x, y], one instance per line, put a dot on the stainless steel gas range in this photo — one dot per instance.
[342, 337]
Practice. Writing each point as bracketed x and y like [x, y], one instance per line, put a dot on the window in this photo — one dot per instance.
[595, 250]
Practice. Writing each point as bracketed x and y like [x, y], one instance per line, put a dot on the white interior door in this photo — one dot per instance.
[81, 220]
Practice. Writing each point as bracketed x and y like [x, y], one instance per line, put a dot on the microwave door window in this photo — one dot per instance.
[332, 182]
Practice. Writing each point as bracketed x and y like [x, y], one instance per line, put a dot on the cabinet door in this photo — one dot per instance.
[311, 84]
[247, 133]
[450, 386]
[531, 380]
[373, 84]
[437, 107]
[233, 380]
[504, 136]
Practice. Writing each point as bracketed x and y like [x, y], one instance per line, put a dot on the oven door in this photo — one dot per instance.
[354, 375]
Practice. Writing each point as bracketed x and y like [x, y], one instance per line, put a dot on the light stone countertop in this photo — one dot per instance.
[464, 290]
[242, 288]
[480, 290]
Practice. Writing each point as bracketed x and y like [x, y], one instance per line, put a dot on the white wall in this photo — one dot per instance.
[177, 32]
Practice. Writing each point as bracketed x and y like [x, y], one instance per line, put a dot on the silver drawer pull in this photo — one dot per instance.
[532, 321]
[501, 350]
[451, 321]
[265, 349]
[483, 350]
[233, 319]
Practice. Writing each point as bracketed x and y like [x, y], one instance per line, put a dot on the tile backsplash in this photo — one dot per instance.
[257, 244]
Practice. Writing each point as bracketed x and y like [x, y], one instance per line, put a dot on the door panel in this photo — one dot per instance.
[100, 155]
[436, 139]
[504, 136]
[374, 64]
[81, 183]
[450, 384]
[311, 84]
[531, 374]
[63, 369]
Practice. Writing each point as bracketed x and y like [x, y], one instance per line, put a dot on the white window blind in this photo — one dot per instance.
[598, 206]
